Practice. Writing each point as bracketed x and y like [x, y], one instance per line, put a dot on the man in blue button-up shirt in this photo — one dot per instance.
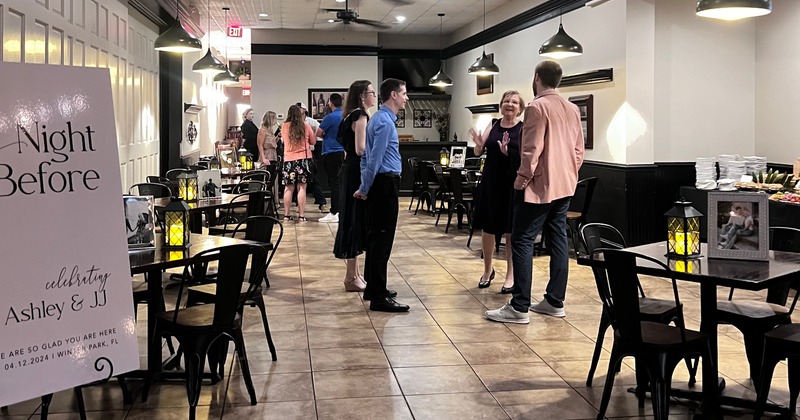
[380, 184]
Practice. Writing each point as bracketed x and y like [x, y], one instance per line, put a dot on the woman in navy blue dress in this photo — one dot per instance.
[493, 210]
[353, 133]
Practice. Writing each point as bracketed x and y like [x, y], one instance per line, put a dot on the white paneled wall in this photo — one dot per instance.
[96, 33]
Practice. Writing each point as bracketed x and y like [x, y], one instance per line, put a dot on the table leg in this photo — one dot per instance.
[196, 223]
[154, 298]
[708, 324]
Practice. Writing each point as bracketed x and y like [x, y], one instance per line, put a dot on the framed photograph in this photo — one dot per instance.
[485, 84]
[140, 225]
[209, 183]
[458, 155]
[226, 154]
[738, 225]
[423, 118]
[401, 119]
[318, 101]
[585, 104]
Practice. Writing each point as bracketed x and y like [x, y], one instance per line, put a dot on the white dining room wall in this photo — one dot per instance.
[93, 33]
[213, 119]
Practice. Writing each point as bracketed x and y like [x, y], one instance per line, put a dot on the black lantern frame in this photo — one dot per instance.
[444, 157]
[187, 186]
[177, 234]
[683, 231]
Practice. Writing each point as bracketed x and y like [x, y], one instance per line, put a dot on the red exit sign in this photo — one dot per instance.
[235, 31]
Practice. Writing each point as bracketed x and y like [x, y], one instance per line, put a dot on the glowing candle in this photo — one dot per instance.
[176, 235]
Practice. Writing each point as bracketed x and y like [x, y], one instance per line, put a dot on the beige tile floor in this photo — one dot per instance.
[442, 360]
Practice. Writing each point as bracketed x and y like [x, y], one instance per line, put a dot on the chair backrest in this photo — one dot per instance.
[437, 169]
[786, 239]
[150, 188]
[582, 198]
[472, 163]
[413, 164]
[601, 235]
[262, 176]
[456, 184]
[425, 172]
[263, 229]
[172, 174]
[232, 263]
[249, 185]
[157, 179]
[620, 295]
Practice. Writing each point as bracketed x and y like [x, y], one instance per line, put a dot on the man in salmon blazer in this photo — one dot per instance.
[551, 149]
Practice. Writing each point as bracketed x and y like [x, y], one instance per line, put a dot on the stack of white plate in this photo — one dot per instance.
[755, 164]
[736, 169]
[723, 164]
[705, 173]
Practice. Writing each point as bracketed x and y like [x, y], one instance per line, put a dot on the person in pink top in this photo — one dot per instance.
[551, 149]
[297, 137]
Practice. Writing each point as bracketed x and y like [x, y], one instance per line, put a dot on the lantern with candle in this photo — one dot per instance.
[247, 163]
[683, 230]
[187, 186]
[176, 224]
[444, 157]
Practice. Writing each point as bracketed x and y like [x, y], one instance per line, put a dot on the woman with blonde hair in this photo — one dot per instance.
[267, 142]
[493, 210]
[250, 134]
[297, 137]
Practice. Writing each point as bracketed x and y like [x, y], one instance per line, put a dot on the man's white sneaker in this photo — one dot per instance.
[330, 218]
[507, 313]
[545, 308]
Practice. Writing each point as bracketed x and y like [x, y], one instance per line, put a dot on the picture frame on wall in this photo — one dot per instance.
[485, 84]
[401, 119]
[585, 104]
[318, 101]
[140, 227]
[738, 225]
[423, 118]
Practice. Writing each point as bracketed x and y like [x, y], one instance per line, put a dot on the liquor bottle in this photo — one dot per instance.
[321, 106]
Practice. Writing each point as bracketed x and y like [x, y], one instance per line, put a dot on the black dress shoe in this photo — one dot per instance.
[506, 290]
[387, 304]
[391, 294]
[482, 284]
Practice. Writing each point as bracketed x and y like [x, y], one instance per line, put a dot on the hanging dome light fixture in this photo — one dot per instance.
[733, 9]
[440, 79]
[226, 78]
[176, 39]
[561, 45]
[209, 64]
[484, 66]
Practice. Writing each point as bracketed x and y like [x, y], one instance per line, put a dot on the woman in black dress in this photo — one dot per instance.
[250, 134]
[493, 210]
[353, 135]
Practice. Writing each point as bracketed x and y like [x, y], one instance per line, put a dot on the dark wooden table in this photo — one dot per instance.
[749, 275]
[152, 263]
[205, 205]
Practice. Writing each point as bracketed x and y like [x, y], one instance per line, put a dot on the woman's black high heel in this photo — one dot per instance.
[482, 284]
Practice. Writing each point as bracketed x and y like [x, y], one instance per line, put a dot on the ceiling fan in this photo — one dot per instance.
[348, 16]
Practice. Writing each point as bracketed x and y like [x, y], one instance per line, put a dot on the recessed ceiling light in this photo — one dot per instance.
[263, 15]
[340, 1]
[331, 20]
[401, 18]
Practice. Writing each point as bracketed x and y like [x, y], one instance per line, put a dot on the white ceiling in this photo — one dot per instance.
[421, 17]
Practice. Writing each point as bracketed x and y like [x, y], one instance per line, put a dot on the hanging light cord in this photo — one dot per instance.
[484, 24]
[227, 60]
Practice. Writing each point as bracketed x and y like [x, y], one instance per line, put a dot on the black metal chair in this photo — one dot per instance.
[261, 229]
[603, 236]
[203, 330]
[657, 347]
[255, 206]
[474, 181]
[157, 179]
[157, 190]
[454, 197]
[416, 185]
[578, 208]
[172, 174]
[430, 190]
[756, 318]
[473, 163]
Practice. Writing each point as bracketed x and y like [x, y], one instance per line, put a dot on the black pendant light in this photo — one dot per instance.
[209, 64]
[561, 45]
[226, 78]
[733, 9]
[176, 39]
[440, 79]
[484, 66]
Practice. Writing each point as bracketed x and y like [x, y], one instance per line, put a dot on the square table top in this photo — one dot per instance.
[160, 258]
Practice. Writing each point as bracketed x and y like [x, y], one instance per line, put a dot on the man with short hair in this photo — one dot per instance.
[551, 148]
[316, 190]
[380, 183]
[332, 154]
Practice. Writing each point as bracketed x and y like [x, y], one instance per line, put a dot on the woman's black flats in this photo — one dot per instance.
[482, 284]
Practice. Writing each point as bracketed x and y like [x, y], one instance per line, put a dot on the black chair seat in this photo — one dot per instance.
[751, 310]
[656, 307]
[788, 332]
[210, 290]
[656, 334]
[201, 316]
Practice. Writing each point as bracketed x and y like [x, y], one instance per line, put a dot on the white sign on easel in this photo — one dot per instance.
[66, 307]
